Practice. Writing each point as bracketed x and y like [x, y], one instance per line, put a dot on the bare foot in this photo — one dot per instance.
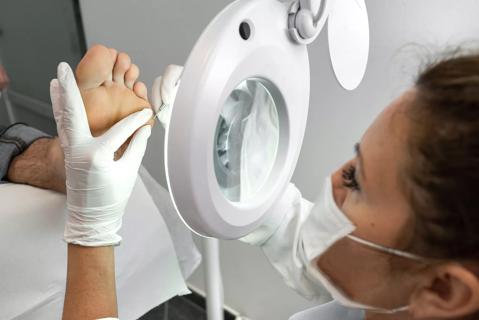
[109, 87]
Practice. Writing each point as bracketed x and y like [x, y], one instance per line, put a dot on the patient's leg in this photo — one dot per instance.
[110, 92]
[109, 87]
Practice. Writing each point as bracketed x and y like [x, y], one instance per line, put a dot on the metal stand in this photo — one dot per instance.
[214, 284]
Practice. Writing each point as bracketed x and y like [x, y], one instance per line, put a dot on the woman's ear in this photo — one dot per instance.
[451, 291]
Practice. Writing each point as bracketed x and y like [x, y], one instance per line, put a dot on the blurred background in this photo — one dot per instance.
[36, 35]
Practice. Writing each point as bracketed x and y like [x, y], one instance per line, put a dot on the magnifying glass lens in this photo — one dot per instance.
[246, 140]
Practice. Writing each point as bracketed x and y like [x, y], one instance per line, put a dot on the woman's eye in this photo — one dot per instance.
[349, 178]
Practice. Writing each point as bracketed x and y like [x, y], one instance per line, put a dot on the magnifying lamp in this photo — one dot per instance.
[239, 117]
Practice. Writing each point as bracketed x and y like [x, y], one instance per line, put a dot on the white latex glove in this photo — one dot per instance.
[98, 187]
[164, 91]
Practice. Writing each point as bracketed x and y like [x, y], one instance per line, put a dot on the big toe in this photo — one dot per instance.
[95, 68]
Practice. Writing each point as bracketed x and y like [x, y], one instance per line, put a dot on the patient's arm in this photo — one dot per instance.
[110, 91]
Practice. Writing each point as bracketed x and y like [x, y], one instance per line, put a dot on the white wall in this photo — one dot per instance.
[157, 33]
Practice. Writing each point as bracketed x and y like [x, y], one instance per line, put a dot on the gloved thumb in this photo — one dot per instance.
[136, 149]
[122, 130]
[68, 109]
[56, 94]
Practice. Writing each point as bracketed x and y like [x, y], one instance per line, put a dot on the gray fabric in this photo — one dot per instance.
[14, 140]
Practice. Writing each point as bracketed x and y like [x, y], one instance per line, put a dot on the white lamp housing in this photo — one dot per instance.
[248, 40]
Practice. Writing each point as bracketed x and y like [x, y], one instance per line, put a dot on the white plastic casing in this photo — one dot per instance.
[348, 38]
[220, 60]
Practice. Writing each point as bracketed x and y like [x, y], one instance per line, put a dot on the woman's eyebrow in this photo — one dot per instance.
[357, 151]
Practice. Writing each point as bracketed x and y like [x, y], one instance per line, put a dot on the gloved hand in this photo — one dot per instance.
[98, 188]
[164, 91]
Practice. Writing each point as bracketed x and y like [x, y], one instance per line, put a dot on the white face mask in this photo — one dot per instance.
[326, 225]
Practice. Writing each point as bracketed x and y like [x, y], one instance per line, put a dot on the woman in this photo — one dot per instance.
[394, 234]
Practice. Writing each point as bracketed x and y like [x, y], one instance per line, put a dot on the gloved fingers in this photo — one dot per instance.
[170, 83]
[122, 130]
[165, 87]
[70, 103]
[173, 73]
[155, 94]
[136, 149]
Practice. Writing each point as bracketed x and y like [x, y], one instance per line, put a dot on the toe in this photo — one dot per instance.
[94, 68]
[122, 64]
[114, 53]
[140, 90]
[131, 76]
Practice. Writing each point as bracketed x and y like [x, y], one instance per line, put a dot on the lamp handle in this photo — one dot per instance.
[305, 22]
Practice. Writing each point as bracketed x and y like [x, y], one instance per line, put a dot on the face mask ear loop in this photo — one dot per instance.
[381, 248]
[402, 309]
[386, 311]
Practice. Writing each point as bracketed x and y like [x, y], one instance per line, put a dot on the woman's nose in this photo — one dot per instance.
[339, 191]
